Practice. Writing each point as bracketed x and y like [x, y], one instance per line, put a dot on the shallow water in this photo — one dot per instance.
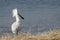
[40, 15]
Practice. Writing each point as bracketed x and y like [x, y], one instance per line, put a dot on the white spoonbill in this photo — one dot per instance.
[16, 24]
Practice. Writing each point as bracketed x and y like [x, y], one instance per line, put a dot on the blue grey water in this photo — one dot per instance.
[40, 15]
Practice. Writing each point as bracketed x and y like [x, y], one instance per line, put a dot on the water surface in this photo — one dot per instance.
[40, 15]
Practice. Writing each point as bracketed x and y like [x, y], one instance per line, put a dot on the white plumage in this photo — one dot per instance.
[16, 24]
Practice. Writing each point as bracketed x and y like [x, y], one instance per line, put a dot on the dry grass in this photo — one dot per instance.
[51, 35]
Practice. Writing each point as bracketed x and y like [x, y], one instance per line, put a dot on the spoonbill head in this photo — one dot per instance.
[15, 13]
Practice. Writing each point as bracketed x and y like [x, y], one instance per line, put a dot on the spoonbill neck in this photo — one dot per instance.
[17, 18]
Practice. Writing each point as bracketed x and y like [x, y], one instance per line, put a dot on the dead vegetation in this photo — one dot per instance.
[51, 35]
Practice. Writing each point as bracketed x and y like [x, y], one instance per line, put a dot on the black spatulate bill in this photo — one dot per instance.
[20, 16]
